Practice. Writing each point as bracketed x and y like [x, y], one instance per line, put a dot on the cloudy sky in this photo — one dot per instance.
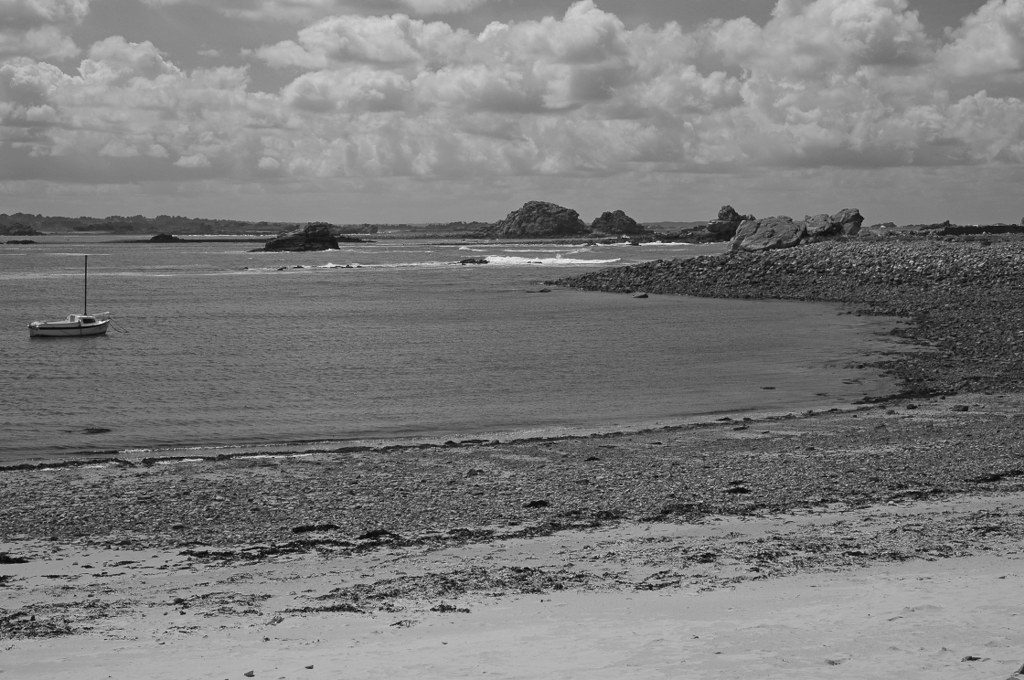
[436, 110]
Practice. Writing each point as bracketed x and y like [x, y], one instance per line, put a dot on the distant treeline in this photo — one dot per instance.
[24, 223]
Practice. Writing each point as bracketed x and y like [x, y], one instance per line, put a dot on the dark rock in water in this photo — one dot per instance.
[538, 219]
[724, 228]
[537, 504]
[164, 238]
[848, 221]
[310, 237]
[769, 233]
[473, 260]
[21, 242]
[6, 558]
[616, 222]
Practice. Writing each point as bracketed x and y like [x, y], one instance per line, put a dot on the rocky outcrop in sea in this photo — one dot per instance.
[617, 223]
[539, 219]
[164, 238]
[309, 237]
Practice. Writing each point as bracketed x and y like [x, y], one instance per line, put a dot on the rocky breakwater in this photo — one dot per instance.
[962, 299]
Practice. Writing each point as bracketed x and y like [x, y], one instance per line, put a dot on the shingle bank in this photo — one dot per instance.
[964, 299]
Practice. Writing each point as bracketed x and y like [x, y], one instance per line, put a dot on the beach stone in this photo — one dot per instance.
[310, 237]
[770, 233]
[848, 221]
[539, 219]
[617, 222]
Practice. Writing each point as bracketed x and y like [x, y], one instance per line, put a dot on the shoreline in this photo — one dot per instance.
[901, 523]
[550, 434]
[885, 452]
[864, 542]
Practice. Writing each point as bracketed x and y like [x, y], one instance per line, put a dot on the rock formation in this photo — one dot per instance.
[848, 221]
[818, 226]
[538, 219]
[310, 237]
[165, 238]
[784, 232]
[617, 222]
[727, 223]
[769, 233]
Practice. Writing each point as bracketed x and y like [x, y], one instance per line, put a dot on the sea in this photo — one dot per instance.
[215, 348]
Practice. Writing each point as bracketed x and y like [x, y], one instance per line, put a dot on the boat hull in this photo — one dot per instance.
[64, 329]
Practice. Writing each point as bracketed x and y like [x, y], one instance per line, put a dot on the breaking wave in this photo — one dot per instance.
[509, 260]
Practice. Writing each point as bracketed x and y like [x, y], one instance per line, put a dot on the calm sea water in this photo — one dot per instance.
[221, 347]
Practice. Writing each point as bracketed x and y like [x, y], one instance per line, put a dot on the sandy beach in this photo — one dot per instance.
[879, 542]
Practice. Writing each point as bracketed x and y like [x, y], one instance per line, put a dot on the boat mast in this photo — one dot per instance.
[85, 291]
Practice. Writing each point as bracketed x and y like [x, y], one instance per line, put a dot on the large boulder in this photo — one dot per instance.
[617, 222]
[821, 226]
[848, 221]
[727, 223]
[309, 237]
[769, 233]
[538, 219]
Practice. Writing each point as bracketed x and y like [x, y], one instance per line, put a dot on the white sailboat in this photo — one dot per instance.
[75, 325]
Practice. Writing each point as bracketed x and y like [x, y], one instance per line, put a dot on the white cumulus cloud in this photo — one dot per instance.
[39, 28]
[821, 84]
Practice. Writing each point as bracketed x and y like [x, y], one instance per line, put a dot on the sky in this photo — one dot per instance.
[388, 111]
